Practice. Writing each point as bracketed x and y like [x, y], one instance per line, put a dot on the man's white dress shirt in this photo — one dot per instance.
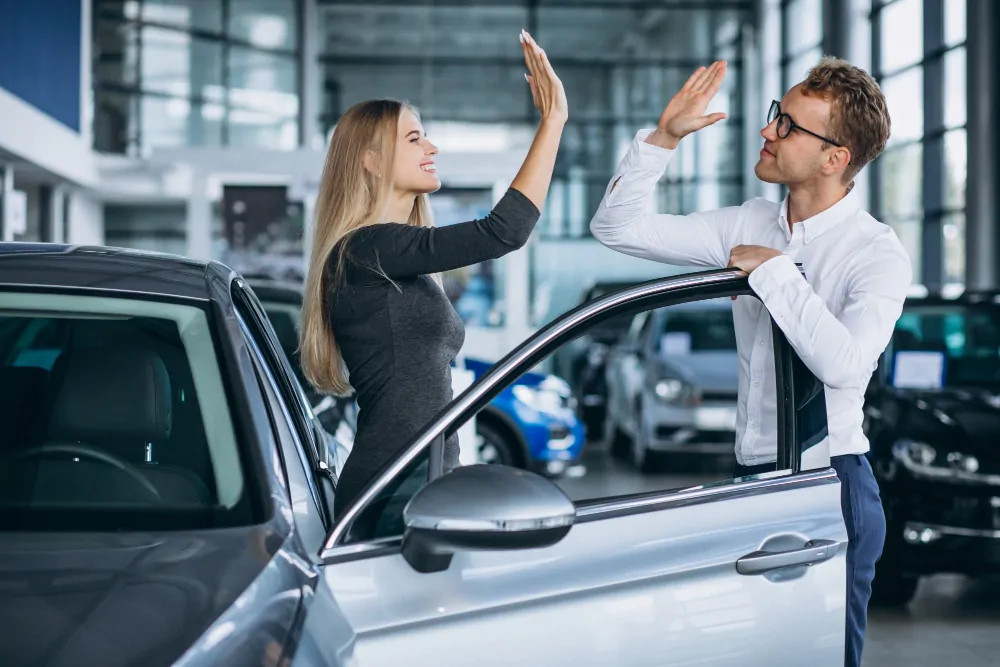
[839, 318]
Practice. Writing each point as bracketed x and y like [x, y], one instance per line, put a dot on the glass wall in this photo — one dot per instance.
[173, 73]
[802, 37]
[919, 58]
[461, 64]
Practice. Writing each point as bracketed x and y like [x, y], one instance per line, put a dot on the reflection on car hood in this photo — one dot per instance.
[119, 599]
[963, 419]
[711, 371]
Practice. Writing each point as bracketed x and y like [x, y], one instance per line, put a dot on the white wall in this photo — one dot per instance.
[43, 141]
[86, 219]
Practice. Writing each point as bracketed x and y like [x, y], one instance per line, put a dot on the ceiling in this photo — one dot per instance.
[462, 60]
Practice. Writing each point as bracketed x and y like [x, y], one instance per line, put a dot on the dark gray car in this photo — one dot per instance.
[166, 498]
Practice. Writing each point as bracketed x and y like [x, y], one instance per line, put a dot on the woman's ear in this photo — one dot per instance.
[370, 161]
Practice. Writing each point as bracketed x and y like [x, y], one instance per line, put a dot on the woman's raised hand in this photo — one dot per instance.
[546, 89]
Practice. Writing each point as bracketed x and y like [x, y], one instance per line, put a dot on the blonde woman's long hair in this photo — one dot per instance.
[350, 197]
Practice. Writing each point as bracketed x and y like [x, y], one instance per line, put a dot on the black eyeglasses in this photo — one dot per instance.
[786, 125]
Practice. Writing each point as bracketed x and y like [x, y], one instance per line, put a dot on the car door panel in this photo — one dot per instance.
[743, 572]
[653, 587]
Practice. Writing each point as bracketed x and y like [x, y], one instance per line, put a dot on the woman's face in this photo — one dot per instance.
[414, 171]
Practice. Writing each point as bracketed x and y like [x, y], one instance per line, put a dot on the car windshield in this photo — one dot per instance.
[951, 345]
[687, 331]
[115, 417]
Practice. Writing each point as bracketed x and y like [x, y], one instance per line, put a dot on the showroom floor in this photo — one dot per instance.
[953, 621]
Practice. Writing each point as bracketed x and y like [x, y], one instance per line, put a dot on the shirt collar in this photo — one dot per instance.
[819, 224]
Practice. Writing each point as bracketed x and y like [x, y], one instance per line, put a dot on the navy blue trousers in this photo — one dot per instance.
[865, 520]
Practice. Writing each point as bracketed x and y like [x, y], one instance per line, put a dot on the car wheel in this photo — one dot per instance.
[494, 446]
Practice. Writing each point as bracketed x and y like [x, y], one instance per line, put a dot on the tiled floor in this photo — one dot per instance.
[952, 621]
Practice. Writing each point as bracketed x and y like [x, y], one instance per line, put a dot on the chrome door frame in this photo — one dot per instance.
[645, 296]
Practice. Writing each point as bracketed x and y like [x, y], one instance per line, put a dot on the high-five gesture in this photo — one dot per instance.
[686, 111]
[546, 89]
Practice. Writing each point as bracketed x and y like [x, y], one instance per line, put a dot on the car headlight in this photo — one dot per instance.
[674, 390]
[920, 457]
[917, 452]
[542, 400]
[669, 390]
[968, 463]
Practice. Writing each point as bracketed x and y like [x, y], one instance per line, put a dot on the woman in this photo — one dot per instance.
[374, 316]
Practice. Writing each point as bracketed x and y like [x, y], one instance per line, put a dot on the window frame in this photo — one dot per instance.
[224, 35]
[280, 420]
[648, 296]
[935, 211]
[261, 340]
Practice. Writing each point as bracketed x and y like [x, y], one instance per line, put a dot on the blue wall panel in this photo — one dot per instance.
[40, 55]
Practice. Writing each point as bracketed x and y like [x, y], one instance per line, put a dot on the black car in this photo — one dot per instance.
[932, 415]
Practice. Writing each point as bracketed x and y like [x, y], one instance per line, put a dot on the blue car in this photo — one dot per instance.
[532, 424]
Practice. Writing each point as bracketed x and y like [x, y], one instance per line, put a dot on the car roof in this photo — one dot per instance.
[102, 268]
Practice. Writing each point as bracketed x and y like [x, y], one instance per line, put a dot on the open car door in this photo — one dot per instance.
[489, 565]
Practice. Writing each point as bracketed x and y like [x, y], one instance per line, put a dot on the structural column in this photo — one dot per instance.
[310, 77]
[981, 226]
[6, 184]
[837, 26]
[199, 218]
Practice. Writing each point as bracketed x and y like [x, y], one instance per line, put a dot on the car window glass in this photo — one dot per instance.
[337, 416]
[637, 326]
[282, 368]
[383, 516]
[116, 416]
[665, 422]
[965, 337]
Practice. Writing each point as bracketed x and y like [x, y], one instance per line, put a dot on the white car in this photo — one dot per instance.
[672, 384]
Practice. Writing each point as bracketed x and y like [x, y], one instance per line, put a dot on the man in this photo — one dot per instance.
[839, 318]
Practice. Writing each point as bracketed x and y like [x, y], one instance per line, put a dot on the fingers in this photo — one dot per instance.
[530, 55]
[546, 88]
[706, 78]
[689, 84]
[716, 81]
[534, 89]
[710, 119]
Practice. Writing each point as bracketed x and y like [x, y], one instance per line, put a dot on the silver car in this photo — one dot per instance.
[166, 500]
[672, 383]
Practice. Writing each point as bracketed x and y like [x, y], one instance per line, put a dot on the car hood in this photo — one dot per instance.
[709, 371]
[120, 599]
[965, 420]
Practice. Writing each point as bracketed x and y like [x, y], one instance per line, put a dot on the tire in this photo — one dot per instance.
[495, 447]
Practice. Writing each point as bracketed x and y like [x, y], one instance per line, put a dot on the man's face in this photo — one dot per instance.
[799, 157]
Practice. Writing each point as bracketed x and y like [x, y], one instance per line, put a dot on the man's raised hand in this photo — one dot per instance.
[685, 113]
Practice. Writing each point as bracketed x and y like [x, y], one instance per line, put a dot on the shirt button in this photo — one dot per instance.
[756, 384]
[753, 426]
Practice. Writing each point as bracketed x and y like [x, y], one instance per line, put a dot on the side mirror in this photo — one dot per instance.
[483, 507]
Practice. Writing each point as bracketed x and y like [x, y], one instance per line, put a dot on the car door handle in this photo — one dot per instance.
[760, 562]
